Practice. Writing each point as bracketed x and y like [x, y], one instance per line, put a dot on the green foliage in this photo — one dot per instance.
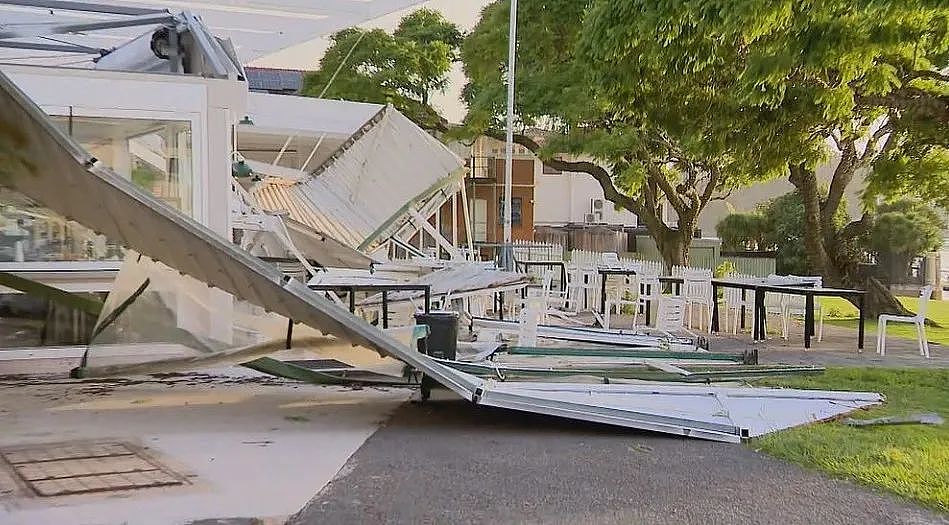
[784, 232]
[901, 231]
[909, 460]
[789, 75]
[777, 225]
[742, 231]
[403, 69]
[725, 269]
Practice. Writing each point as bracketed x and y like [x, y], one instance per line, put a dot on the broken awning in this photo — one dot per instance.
[458, 280]
[44, 164]
[365, 191]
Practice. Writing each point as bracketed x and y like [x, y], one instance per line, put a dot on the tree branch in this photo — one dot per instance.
[856, 228]
[843, 174]
[913, 75]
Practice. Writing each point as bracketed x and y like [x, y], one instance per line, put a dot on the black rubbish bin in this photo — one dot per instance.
[442, 340]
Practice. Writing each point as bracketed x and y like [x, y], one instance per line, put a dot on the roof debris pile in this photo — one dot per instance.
[47, 166]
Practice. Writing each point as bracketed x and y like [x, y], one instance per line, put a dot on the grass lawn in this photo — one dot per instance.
[841, 313]
[910, 460]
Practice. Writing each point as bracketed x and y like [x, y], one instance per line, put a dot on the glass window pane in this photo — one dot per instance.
[155, 154]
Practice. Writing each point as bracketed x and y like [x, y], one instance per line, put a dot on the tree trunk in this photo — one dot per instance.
[839, 270]
[673, 245]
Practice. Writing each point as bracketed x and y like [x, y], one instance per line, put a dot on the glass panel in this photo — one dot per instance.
[155, 154]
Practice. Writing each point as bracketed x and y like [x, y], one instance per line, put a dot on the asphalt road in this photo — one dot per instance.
[452, 462]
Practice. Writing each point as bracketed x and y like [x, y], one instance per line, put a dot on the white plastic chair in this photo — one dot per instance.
[650, 290]
[610, 260]
[697, 291]
[919, 320]
[582, 285]
[797, 304]
[732, 297]
[776, 303]
[618, 295]
[670, 315]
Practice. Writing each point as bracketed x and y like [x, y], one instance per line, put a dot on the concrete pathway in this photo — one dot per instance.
[249, 446]
[450, 462]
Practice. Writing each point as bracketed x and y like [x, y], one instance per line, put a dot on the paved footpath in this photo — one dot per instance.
[451, 462]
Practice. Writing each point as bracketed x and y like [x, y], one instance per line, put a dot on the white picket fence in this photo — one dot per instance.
[537, 251]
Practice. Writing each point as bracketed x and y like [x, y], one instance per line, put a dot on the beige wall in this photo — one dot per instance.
[746, 199]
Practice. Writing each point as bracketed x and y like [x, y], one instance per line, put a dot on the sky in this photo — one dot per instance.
[464, 13]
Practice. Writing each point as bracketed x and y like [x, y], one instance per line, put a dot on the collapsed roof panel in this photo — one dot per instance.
[50, 168]
[365, 191]
[41, 162]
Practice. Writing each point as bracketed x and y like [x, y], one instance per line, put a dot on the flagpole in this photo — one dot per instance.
[507, 255]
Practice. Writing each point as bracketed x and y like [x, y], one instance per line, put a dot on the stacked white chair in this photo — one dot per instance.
[776, 303]
[796, 305]
[919, 320]
[732, 297]
[620, 293]
[697, 293]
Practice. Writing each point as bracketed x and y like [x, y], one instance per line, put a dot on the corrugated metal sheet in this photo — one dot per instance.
[279, 196]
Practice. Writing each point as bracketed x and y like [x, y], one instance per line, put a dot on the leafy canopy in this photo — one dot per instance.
[798, 72]
[906, 228]
[657, 137]
[403, 68]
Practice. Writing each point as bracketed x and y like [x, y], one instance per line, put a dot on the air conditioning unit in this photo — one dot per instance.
[596, 205]
[590, 218]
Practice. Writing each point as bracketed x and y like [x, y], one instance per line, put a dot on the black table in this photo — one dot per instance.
[809, 292]
[351, 290]
[545, 264]
[605, 273]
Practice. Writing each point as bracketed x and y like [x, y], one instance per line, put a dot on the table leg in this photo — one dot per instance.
[744, 295]
[714, 307]
[352, 300]
[648, 304]
[862, 321]
[760, 326]
[500, 306]
[603, 294]
[808, 319]
[289, 333]
[385, 309]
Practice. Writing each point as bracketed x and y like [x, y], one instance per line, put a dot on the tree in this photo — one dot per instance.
[742, 231]
[861, 83]
[403, 69]
[903, 230]
[658, 144]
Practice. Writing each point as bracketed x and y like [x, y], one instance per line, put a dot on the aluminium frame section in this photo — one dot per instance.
[161, 18]
[488, 396]
[590, 335]
[88, 7]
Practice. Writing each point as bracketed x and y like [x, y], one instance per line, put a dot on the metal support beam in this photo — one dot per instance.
[423, 225]
[61, 29]
[58, 48]
[87, 7]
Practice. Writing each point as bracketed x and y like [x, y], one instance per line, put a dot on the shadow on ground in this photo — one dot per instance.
[452, 462]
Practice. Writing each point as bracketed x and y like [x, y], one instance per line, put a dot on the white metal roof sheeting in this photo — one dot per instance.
[278, 195]
[307, 116]
[50, 168]
[714, 413]
[362, 193]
